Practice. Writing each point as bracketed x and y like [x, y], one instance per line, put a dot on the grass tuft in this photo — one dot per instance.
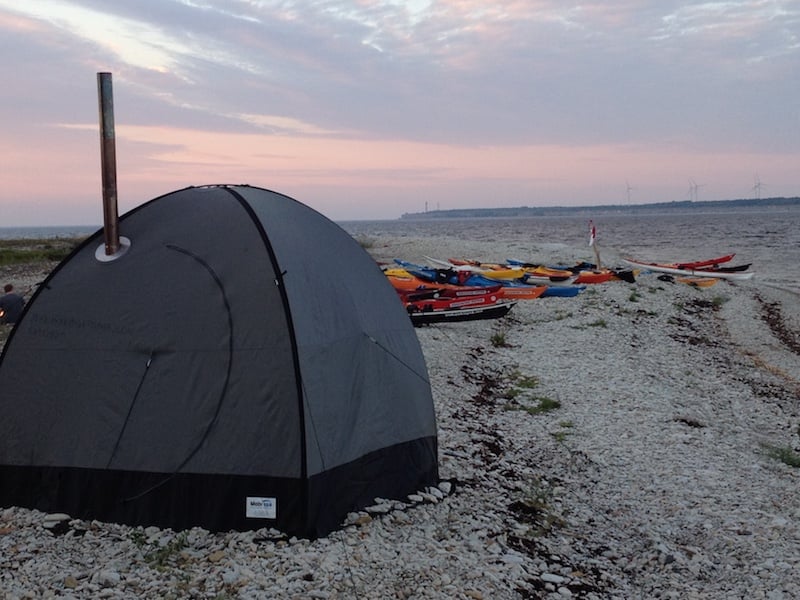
[498, 340]
[786, 454]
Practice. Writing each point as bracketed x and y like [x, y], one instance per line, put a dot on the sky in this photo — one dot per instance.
[369, 109]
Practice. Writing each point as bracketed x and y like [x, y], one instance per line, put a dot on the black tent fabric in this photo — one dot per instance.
[244, 364]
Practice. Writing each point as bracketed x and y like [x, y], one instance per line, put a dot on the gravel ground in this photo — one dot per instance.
[612, 445]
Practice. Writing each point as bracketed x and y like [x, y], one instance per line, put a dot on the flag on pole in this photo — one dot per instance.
[592, 233]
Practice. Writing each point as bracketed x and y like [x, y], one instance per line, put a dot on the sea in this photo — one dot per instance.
[767, 238]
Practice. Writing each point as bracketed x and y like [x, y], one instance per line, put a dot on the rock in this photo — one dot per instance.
[56, 517]
[106, 578]
[217, 556]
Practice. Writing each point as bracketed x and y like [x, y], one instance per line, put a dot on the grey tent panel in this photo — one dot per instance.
[244, 338]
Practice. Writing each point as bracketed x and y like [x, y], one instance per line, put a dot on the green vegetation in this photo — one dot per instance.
[498, 340]
[542, 404]
[718, 301]
[520, 396]
[524, 381]
[786, 454]
[15, 252]
[545, 404]
[634, 297]
[597, 323]
[533, 507]
[160, 556]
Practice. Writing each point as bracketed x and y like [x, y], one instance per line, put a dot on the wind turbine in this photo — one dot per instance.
[693, 188]
[628, 189]
[757, 186]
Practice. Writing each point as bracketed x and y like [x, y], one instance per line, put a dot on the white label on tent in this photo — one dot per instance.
[261, 508]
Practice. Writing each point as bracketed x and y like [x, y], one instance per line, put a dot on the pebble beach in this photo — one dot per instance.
[635, 441]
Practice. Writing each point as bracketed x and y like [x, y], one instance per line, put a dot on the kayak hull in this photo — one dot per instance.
[493, 311]
[702, 272]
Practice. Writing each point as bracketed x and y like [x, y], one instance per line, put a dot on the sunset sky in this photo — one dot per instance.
[371, 108]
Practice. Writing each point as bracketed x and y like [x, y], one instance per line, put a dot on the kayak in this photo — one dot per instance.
[528, 273]
[732, 269]
[710, 262]
[490, 270]
[672, 269]
[589, 273]
[458, 302]
[594, 276]
[505, 274]
[563, 291]
[451, 291]
[700, 282]
[402, 280]
[447, 278]
[522, 292]
[491, 311]
[530, 278]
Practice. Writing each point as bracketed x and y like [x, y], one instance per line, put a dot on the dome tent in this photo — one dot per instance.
[243, 364]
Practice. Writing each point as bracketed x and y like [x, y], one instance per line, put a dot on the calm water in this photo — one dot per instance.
[35, 233]
[770, 240]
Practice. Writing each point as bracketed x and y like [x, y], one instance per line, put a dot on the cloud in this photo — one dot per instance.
[455, 81]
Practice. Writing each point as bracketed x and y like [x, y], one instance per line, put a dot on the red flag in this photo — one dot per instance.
[592, 233]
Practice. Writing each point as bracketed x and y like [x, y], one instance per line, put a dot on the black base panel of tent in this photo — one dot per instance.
[180, 501]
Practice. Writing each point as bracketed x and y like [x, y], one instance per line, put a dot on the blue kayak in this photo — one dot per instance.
[563, 291]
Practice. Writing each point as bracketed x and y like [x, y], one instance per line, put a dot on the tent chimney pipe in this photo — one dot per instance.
[108, 159]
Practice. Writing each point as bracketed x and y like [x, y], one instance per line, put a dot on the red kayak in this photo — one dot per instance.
[436, 304]
[462, 291]
[711, 262]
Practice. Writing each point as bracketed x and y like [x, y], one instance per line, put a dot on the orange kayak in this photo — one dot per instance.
[594, 276]
[702, 282]
[522, 292]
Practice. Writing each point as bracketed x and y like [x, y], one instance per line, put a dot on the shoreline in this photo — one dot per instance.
[650, 476]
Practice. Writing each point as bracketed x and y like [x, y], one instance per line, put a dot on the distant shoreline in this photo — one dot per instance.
[747, 204]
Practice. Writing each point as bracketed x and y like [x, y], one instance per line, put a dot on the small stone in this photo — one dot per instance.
[379, 509]
[106, 578]
[435, 491]
[56, 517]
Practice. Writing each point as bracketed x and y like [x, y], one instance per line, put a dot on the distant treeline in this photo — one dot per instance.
[549, 211]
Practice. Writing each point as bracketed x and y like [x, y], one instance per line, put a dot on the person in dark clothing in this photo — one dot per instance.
[11, 305]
